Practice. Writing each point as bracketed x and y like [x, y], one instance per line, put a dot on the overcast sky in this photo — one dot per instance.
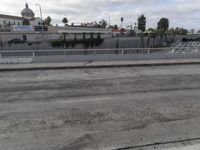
[182, 13]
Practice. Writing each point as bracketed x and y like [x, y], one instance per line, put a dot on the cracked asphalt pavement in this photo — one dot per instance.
[103, 109]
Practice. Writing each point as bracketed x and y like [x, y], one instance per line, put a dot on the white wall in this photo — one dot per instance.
[12, 21]
[31, 37]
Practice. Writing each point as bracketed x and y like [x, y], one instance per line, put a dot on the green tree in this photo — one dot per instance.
[172, 31]
[47, 21]
[65, 21]
[103, 23]
[180, 31]
[142, 23]
[183, 31]
[116, 27]
[163, 26]
[151, 31]
[142, 28]
[177, 30]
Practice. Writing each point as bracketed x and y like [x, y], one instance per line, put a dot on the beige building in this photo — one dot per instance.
[72, 32]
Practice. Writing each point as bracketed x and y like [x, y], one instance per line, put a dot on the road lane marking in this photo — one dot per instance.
[86, 100]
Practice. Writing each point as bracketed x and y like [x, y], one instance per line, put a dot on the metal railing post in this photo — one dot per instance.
[196, 51]
[33, 53]
[65, 52]
[173, 51]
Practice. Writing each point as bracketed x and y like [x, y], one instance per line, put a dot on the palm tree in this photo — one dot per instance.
[122, 20]
[142, 27]
[65, 21]
[122, 24]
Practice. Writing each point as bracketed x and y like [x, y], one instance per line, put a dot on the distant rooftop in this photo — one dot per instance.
[10, 17]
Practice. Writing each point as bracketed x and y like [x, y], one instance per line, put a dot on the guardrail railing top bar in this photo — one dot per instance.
[120, 51]
[147, 50]
[117, 49]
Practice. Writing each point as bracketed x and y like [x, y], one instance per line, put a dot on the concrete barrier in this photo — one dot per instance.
[15, 60]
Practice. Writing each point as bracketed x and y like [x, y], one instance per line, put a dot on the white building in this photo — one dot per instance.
[27, 14]
[10, 20]
[12, 27]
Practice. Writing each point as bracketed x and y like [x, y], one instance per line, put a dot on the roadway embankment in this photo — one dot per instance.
[97, 64]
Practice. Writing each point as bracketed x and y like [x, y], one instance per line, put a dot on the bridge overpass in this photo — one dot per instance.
[101, 108]
[148, 108]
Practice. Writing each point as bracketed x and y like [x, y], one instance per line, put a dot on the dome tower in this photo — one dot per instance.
[27, 13]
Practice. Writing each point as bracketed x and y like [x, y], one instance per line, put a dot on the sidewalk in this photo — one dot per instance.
[103, 64]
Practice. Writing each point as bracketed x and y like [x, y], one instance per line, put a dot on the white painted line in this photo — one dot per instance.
[86, 100]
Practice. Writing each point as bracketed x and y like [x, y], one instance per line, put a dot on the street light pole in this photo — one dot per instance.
[108, 19]
[40, 9]
[40, 15]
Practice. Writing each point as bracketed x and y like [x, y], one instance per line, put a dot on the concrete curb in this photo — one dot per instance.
[57, 66]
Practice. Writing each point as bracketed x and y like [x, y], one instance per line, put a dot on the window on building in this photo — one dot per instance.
[18, 23]
[14, 22]
[4, 22]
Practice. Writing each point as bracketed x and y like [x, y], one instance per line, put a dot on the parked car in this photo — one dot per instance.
[16, 41]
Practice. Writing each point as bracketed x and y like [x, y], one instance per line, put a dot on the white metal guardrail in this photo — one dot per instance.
[70, 52]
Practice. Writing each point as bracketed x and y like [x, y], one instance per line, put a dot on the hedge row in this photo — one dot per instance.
[86, 42]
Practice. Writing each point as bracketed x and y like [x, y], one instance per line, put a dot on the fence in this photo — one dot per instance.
[71, 52]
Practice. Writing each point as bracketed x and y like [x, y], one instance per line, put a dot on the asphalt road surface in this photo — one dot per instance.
[103, 109]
